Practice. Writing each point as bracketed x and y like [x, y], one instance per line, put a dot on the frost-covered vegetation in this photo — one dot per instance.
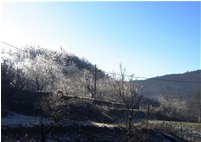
[188, 130]
[60, 96]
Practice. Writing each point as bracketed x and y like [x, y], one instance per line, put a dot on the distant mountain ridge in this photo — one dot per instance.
[179, 85]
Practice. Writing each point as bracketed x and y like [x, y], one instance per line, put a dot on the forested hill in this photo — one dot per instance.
[178, 85]
[62, 58]
[43, 70]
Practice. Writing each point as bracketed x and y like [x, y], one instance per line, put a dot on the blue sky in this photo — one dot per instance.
[148, 38]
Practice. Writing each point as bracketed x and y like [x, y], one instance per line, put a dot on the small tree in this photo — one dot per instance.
[172, 106]
[130, 94]
[87, 79]
[69, 81]
[104, 90]
[20, 79]
[43, 73]
[54, 107]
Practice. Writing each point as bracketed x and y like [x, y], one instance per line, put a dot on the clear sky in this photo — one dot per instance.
[148, 38]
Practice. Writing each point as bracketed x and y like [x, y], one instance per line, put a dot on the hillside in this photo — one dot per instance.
[40, 69]
[173, 84]
[70, 64]
[62, 58]
[33, 101]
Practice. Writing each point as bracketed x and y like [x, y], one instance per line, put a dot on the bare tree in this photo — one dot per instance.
[43, 73]
[54, 107]
[69, 82]
[20, 79]
[130, 94]
[104, 90]
[172, 106]
[87, 80]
